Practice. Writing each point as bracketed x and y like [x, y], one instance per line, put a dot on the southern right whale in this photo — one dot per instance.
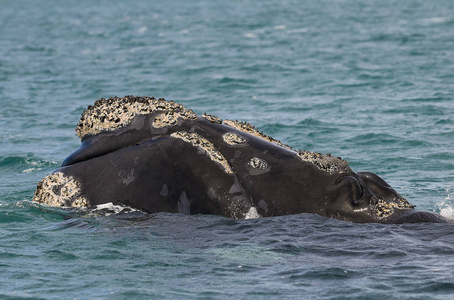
[159, 156]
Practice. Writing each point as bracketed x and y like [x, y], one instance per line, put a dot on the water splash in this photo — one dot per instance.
[108, 209]
[446, 206]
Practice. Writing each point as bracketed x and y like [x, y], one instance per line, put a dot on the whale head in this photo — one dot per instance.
[366, 197]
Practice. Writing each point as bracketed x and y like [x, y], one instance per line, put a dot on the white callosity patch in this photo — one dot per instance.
[233, 139]
[258, 163]
[212, 119]
[385, 209]
[166, 119]
[325, 162]
[250, 129]
[205, 145]
[60, 190]
[115, 113]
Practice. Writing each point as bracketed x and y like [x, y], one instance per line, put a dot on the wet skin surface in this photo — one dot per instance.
[201, 165]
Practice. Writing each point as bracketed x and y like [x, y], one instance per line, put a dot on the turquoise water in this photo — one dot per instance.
[371, 81]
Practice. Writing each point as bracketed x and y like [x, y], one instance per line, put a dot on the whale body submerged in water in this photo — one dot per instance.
[159, 156]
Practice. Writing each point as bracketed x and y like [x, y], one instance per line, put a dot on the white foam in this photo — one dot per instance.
[446, 207]
[108, 209]
[447, 212]
[252, 214]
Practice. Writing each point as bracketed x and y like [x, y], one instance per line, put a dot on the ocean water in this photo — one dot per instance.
[371, 81]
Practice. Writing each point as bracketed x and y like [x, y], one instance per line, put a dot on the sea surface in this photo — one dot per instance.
[370, 81]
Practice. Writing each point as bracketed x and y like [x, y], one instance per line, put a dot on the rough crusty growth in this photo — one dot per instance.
[233, 139]
[212, 119]
[114, 113]
[166, 119]
[385, 209]
[59, 190]
[258, 163]
[325, 162]
[208, 147]
[248, 128]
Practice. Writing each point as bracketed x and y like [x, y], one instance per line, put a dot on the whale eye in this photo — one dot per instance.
[355, 190]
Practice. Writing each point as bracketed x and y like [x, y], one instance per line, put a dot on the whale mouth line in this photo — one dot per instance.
[71, 160]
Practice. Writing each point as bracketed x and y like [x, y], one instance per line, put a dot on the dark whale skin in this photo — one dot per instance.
[201, 165]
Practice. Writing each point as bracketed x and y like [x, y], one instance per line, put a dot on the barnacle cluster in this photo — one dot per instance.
[325, 162]
[166, 119]
[113, 113]
[233, 139]
[385, 209]
[258, 163]
[199, 141]
[60, 190]
[212, 119]
[248, 128]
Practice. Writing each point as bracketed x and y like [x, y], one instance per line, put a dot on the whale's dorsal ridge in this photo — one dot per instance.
[325, 162]
[114, 113]
[250, 129]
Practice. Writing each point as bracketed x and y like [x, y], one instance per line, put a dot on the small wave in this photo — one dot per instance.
[247, 254]
[102, 210]
[25, 164]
